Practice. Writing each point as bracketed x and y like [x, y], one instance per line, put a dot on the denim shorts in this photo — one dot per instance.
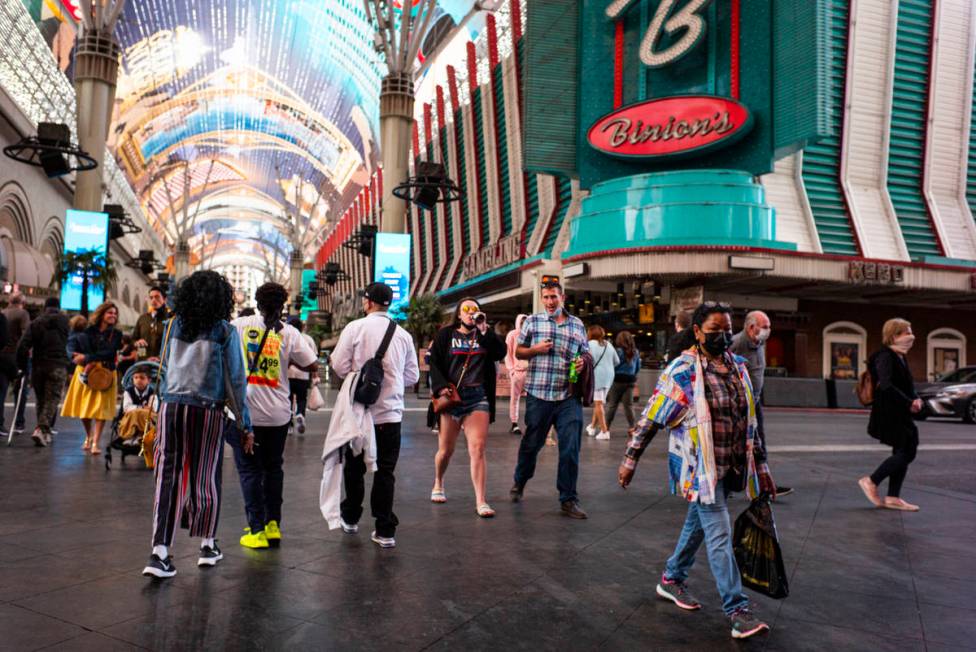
[473, 399]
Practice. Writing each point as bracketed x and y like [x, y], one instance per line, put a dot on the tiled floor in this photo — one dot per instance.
[74, 537]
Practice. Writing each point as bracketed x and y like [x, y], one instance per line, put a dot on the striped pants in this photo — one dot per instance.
[189, 458]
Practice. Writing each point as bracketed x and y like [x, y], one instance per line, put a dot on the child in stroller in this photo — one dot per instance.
[134, 429]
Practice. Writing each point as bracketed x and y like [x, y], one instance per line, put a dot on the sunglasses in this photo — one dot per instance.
[716, 304]
[470, 310]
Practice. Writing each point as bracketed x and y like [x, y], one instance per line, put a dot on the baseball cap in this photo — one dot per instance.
[379, 293]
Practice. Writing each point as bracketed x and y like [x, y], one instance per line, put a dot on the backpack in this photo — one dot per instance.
[865, 389]
[370, 380]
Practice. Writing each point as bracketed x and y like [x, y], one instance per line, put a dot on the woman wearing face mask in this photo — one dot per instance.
[705, 398]
[891, 419]
[463, 355]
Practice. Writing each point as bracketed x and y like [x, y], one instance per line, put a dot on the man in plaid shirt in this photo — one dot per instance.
[551, 341]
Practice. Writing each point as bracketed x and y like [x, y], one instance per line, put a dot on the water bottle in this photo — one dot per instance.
[573, 374]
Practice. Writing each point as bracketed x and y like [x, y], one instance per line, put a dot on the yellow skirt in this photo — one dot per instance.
[82, 402]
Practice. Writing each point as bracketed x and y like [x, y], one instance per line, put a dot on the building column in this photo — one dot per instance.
[96, 73]
[297, 264]
[396, 125]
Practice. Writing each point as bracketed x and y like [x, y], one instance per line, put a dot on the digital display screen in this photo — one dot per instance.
[392, 266]
[308, 305]
[83, 231]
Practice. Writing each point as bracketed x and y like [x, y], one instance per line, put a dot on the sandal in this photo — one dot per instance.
[485, 511]
[438, 496]
[95, 451]
[86, 446]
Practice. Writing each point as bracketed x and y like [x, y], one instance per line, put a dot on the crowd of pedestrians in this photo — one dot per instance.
[246, 382]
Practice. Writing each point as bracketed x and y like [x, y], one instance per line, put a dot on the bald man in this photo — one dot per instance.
[750, 343]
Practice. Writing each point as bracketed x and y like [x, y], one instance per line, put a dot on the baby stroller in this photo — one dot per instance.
[139, 443]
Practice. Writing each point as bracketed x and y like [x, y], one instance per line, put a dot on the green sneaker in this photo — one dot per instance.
[273, 532]
[256, 540]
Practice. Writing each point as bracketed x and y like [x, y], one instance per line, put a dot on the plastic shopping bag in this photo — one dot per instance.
[315, 400]
[757, 550]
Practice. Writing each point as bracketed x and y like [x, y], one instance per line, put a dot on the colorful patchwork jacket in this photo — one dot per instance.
[679, 404]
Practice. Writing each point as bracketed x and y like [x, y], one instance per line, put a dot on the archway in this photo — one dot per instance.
[945, 352]
[845, 347]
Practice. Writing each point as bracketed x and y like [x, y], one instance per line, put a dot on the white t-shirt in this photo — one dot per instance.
[295, 372]
[267, 386]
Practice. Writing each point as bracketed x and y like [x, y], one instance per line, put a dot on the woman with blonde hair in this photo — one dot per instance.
[891, 422]
[605, 359]
[101, 344]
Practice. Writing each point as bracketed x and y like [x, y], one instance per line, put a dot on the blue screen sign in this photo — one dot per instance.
[83, 231]
[392, 267]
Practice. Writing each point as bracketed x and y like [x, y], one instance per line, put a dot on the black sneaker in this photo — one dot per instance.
[515, 429]
[745, 623]
[572, 509]
[161, 568]
[515, 493]
[783, 491]
[209, 556]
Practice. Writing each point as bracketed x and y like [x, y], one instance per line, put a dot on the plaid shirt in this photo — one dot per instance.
[681, 403]
[729, 408]
[548, 374]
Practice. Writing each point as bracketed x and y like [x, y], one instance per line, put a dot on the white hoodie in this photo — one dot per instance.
[351, 424]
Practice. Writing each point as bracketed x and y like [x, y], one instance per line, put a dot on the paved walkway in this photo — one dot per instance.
[73, 539]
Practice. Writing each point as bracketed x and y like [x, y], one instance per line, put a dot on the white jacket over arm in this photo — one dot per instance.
[350, 428]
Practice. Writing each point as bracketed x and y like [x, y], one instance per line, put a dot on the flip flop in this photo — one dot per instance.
[901, 505]
[438, 496]
[485, 511]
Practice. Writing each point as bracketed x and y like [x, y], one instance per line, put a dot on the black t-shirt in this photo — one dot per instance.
[466, 347]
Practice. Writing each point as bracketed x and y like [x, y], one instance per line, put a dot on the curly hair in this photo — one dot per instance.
[99, 314]
[271, 299]
[202, 299]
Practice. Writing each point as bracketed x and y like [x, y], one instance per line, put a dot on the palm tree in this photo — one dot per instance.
[95, 269]
[425, 316]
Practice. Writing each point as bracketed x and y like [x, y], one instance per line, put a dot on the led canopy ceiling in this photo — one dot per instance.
[246, 115]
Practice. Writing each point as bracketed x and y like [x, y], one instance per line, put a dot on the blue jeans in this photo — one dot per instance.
[709, 523]
[567, 417]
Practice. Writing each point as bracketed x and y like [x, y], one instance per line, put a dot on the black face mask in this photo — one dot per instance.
[717, 343]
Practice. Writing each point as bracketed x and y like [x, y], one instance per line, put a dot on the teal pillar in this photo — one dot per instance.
[683, 208]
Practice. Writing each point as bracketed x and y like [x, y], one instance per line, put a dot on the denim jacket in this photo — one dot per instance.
[193, 372]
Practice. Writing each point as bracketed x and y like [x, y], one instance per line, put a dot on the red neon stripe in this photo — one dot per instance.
[734, 58]
[618, 65]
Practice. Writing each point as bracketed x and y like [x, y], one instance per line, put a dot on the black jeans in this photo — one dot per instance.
[15, 388]
[895, 468]
[384, 482]
[621, 394]
[262, 478]
[299, 393]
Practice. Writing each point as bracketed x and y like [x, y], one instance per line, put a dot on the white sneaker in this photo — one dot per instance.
[38, 438]
[348, 528]
[300, 424]
[383, 542]
[603, 436]
[590, 430]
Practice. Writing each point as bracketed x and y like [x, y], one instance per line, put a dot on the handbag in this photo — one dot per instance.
[450, 397]
[100, 378]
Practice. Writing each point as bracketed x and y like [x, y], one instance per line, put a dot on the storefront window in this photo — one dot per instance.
[946, 352]
[845, 350]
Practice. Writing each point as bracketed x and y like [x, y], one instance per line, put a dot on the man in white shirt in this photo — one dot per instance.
[358, 342]
[270, 346]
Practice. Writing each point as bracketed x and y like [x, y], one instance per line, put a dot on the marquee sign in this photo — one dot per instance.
[505, 251]
[686, 124]
[664, 85]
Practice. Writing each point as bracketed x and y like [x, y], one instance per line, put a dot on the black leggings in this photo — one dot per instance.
[895, 468]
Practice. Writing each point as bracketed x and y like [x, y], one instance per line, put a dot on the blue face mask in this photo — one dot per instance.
[557, 313]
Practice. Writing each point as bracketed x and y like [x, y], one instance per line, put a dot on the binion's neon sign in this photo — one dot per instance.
[687, 18]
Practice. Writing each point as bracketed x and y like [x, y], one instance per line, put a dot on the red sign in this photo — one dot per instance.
[73, 7]
[671, 126]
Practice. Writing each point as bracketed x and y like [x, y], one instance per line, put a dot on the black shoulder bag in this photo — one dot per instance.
[370, 380]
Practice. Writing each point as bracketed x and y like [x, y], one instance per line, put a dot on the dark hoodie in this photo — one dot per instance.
[47, 338]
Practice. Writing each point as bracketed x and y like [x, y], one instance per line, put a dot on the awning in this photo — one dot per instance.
[25, 266]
